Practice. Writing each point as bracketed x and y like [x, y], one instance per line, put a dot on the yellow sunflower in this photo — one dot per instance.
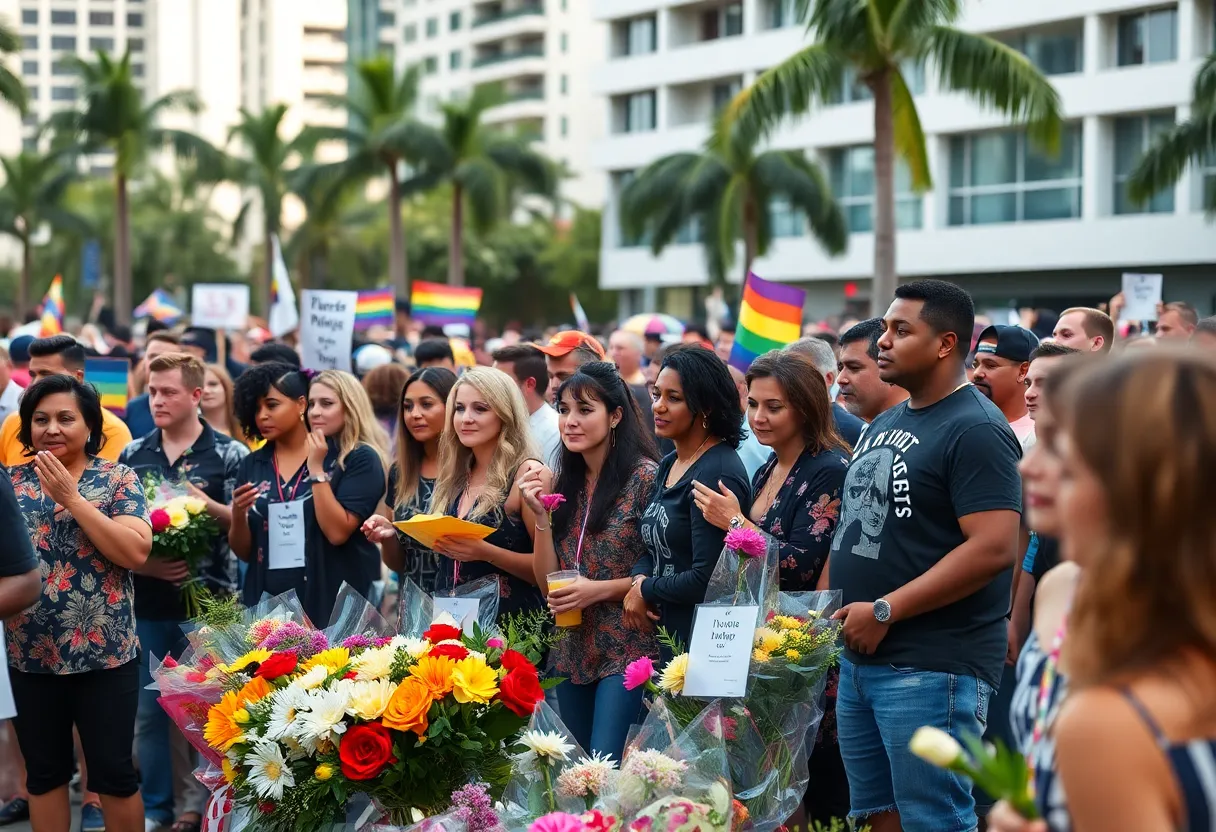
[333, 659]
[252, 657]
[222, 731]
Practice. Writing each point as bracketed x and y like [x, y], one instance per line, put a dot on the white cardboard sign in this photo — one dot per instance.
[1141, 294]
[327, 328]
[720, 651]
[219, 306]
[463, 609]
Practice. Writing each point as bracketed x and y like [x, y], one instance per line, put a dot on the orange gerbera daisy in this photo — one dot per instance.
[436, 673]
[255, 689]
[222, 731]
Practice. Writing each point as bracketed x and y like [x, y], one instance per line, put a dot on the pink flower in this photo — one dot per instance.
[557, 822]
[495, 643]
[639, 672]
[747, 543]
[597, 821]
[550, 502]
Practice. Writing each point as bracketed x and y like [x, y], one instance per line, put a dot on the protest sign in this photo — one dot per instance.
[219, 306]
[1141, 294]
[327, 328]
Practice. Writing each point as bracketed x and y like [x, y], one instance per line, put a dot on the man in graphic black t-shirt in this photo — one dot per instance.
[923, 554]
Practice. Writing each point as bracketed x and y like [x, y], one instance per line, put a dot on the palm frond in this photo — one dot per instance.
[792, 175]
[846, 26]
[208, 159]
[730, 222]
[484, 191]
[792, 87]
[651, 191]
[13, 91]
[1162, 164]
[519, 160]
[10, 41]
[911, 19]
[997, 76]
[67, 221]
[1203, 90]
[415, 142]
[909, 136]
[176, 101]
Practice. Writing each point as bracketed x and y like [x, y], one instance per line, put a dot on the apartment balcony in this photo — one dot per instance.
[521, 104]
[511, 60]
[504, 23]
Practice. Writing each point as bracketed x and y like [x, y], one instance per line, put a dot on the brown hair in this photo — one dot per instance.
[1145, 424]
[1184, 310]
[807, 392]
[233, 428]
[1095, 322]
[410, 452]
[193, 371]
[384, 385]
[163, 335]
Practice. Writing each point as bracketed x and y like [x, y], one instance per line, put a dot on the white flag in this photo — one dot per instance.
[284, 315]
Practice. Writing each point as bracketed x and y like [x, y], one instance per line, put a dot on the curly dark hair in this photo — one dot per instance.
[86, 399]
[708, 390]
[634, 442]
[253, 385]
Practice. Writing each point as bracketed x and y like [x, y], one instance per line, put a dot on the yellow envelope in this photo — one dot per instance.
[427, 528]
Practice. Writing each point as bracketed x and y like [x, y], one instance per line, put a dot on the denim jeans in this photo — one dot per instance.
[600, 714]
[164, 754]
[878, 708]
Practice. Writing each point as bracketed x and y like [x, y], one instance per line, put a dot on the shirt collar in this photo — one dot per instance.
[205, 441]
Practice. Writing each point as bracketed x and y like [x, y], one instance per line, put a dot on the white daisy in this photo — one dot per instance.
[287, 706]
[268, 770]
[312, 678]
[545, 747]
[367, 700]
[416, 647]
[374, 664]
[324, 719]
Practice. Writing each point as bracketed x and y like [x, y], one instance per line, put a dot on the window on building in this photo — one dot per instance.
[853, 90]
[31, 41]
[777, 14]
[565, 41]
[60, 68]
[564, 126]
[29, 15]
[101, 44]
[29, 69]
[724, 91]
[1208, 182]
[637, 36]
[1056, 51]
[852, 175]
[135, 19]
[1148, 37]
[63, 43]
[723, 22]
[137, 45]
[137, 70]
[621, 180]
[101, 18]
[430, 65]
[432, 27]
[638, 112]
[1132, 136]
[454, 21]
[64, 17]
[387, 19]
[564, 84]
[784, 221]
[1000, 176]
[63, 93]
[411, 32]
[455, 58]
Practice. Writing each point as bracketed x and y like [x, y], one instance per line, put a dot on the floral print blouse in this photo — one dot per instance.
[602, 645]
[85, 618]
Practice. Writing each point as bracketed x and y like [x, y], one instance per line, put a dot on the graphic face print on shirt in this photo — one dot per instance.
[877, 477]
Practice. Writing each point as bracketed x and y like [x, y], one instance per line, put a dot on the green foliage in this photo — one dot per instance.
[220, 612]
[530, 632]
[12, 90]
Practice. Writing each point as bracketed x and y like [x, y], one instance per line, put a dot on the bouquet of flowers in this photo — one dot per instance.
[550, 772]
[746, 572]
[181, 530]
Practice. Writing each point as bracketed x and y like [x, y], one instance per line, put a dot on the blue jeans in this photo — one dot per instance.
[878, 708]
[600, 714]
[152, 726]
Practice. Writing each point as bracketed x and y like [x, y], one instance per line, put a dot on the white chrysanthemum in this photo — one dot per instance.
[545, 747]
[287, 706]
[367, 700]
[373, 664]
[590, 776]
[324, 720]
[312, 678]
[416, 647]
[268, 770]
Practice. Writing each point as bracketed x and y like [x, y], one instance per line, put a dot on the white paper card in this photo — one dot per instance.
[220, 305]
[8, 708]
[1141, 294]
[720, 651]
[287, 535]
[327, 329]
[463, 610]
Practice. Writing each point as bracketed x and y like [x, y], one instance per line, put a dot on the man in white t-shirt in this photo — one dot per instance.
[526, 364]
[1002, 359]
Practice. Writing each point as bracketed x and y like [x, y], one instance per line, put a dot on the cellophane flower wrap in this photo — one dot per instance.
[416, 609]
[546, 754]
[746, 572]
[305, 720]
[181, 530]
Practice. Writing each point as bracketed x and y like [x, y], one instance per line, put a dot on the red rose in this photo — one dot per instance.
[159, 518]
[365, 751]
[169, 662]
[512, 660]
[520, 690]
[441, 632]
[279, 664]
[453, 651]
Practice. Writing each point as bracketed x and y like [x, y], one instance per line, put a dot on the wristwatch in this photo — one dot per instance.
[882, 611]
[322, 477]
[737, 522]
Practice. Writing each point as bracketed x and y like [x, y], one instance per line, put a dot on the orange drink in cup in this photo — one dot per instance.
[557, 580]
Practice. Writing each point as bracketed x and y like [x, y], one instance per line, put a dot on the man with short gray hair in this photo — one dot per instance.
[824, 358]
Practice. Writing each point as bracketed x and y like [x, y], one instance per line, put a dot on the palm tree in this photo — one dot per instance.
[727, 189]
[1194, 140]
[12, 91]
[113, 118]
[33, 191]
[266, 170]
[484, 167]
[382, 134]
[875, 39]
[335, 218]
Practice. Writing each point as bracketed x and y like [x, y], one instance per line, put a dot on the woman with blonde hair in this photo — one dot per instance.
[217, 404]
[485, 449]
[340, 409]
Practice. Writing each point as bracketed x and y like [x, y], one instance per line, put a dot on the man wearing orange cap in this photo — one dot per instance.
[564, 354]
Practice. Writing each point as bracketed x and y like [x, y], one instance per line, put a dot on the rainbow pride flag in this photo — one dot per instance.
[374, 308]
[52, 309]
[109, 376]
[434, 304]
[770, 317]
[160, 306]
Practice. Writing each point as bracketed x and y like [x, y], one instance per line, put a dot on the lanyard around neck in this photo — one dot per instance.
[278, 479]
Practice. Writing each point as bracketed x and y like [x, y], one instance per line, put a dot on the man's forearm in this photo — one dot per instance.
[961, 573]
[19, 592]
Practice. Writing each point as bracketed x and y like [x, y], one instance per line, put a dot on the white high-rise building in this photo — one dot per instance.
[541, 52]
[1004, 221]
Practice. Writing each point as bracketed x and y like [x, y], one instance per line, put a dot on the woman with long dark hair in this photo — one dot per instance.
[696, 406]
[421, 416]
[606, 471]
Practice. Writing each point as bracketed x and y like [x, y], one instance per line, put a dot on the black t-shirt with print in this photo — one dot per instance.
[17, 556]
[912, 476]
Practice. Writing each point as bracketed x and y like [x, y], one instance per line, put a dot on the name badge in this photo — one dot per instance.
[286, 528]
[463, 609]
[720, 651]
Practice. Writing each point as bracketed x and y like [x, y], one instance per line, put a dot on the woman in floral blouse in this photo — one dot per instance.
[76, 648]
[797, 504]
[607, 473]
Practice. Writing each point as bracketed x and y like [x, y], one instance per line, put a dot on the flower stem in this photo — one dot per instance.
[549, 788]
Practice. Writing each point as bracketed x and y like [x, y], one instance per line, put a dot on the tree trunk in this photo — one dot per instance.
[398, 268]
[122, 253]
[456, 239]
[266, 289]
[23, 285]
[883, 286]
[751, 231]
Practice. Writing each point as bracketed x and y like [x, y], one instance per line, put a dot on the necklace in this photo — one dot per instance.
[695, 456]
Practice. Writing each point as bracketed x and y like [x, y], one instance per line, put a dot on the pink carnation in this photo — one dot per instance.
[746, 542]
[597, 821]
[495, 643]
[639, 672]
[550, 502]
[557, 822]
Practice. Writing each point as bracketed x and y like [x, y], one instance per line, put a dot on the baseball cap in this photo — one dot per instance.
[370, 356]
[19, 349]
[565, 342]
[1012, 342]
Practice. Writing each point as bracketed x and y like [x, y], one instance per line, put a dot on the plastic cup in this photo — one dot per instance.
[557, 580]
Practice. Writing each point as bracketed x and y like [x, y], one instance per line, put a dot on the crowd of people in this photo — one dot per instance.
[1013, 515]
